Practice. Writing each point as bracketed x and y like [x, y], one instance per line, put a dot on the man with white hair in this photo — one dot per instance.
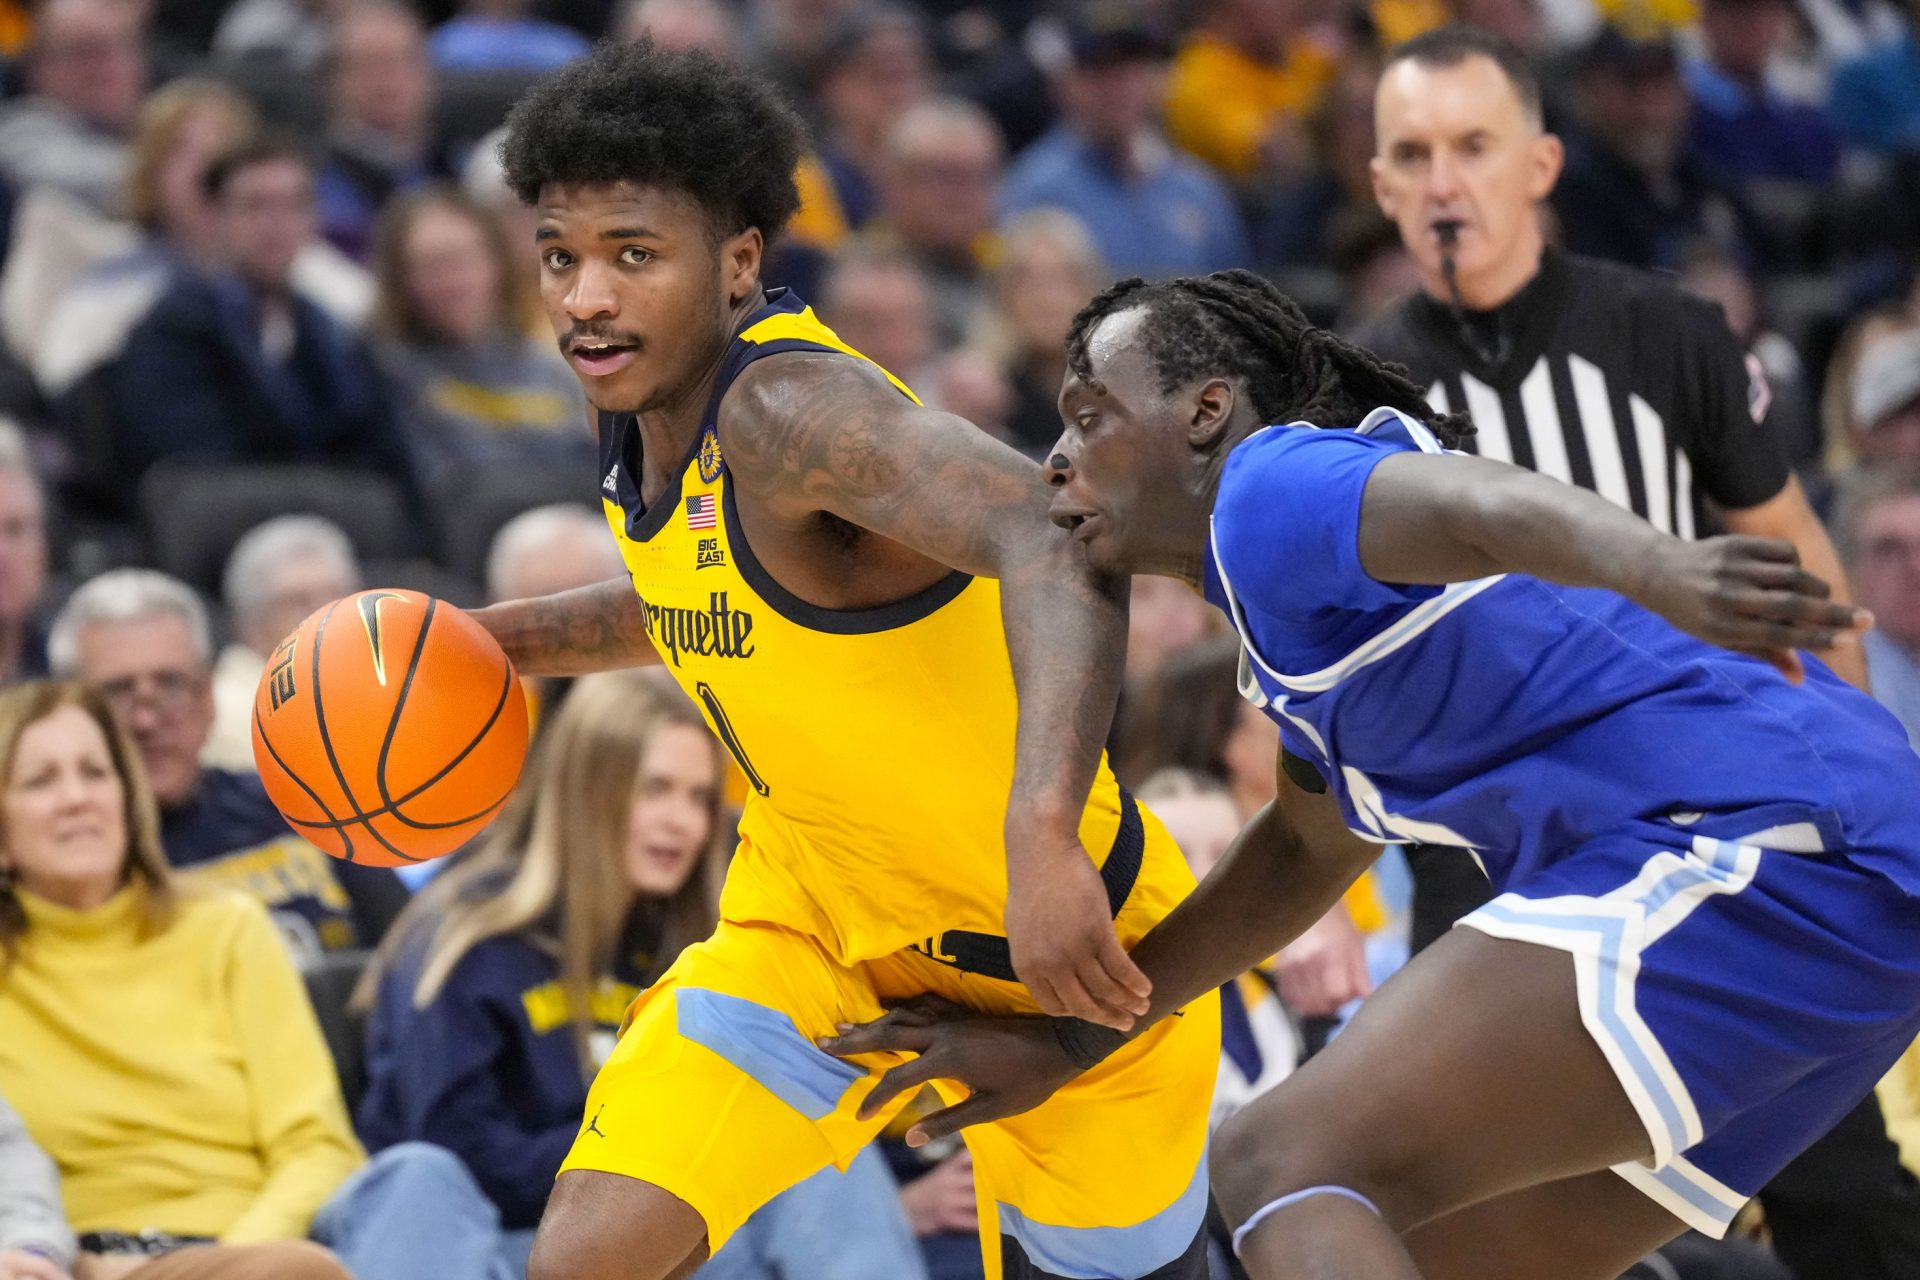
[141, 639]
[23, 561]
[278, 573]
[548, 549]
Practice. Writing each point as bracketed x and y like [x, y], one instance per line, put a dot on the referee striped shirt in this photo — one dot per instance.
[1606, 377]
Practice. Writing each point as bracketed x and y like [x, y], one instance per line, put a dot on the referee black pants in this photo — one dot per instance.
[1846, 1209]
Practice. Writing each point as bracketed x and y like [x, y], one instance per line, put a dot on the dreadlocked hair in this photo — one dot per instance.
[1238, 324]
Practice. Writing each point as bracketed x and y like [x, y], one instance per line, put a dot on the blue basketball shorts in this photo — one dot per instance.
[1748, 987]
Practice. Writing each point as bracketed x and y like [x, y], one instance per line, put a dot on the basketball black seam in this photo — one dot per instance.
[312, 795]
[326, 741]
[400, 705]
[320, 720]
[392, 806]
[338, 825]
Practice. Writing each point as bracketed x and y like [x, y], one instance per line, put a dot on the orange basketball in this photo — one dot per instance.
[389, 728]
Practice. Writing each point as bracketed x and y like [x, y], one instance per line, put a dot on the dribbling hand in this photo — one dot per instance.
[1061, 940]
[1750, 595]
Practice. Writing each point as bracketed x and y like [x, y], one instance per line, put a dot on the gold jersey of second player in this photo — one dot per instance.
[878, 743]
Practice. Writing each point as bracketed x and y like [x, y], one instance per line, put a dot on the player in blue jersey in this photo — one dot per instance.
[1707, 944]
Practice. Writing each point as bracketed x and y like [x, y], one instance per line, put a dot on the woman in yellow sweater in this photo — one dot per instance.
[159, 1046]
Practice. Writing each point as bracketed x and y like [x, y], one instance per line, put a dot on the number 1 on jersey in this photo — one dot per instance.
[728, 738]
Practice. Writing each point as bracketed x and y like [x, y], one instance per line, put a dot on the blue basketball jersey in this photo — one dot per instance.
[1516, 718]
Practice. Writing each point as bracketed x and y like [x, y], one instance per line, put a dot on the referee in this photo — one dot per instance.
[1614, 380]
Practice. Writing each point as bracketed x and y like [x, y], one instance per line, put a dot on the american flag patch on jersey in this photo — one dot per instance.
[700, 512]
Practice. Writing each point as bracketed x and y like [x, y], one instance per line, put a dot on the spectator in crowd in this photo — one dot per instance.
[939, 180]
[879, 302]
[1877, 524]
[1048, 269]
[502, 35]
[484, 183]
[873, 71]
[472, 390]
[234, 365]
[676, 24]
[37, 1244]
[277, 574]
[1743, 124]
[1884, 401]
[1151, 210]
[1243, 84]
[1631, 192]
[158, 1043]
[23, 562]
[969, 385]
[379, 124]
[141, 640]
[548, 550]
[35, 1241]
[295, 34]
[1875, 99]
[1190, 715]
[788, 39]
[1300, 215]
[85, 72]
[181, 128]
[501, 992]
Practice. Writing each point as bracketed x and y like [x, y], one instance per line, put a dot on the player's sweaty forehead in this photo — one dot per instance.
[1116, 354]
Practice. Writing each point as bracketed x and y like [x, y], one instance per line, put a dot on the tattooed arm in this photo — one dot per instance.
[823, 433]
[572, 633]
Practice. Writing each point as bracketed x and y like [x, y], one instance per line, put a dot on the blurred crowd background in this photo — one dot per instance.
[268, 334]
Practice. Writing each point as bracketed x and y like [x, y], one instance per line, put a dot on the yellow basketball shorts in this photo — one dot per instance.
[718, 1094]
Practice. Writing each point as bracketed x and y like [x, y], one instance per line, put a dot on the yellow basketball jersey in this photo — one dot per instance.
[879, 743]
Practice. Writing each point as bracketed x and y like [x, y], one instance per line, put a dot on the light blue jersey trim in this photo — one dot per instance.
[1606, 936]
[766, 1045]
[1689, 1193]
[1112, 1253]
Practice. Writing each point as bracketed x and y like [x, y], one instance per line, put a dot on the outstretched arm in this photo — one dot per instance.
[837, 437]
[572, 633]
[1435, 518]
[1283, 871]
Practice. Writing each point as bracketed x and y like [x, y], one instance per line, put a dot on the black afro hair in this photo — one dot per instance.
[681, 120]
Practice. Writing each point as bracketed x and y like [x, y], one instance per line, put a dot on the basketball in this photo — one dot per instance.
[389, 728]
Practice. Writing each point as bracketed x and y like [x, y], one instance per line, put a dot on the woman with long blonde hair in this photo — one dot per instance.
[501, 985]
